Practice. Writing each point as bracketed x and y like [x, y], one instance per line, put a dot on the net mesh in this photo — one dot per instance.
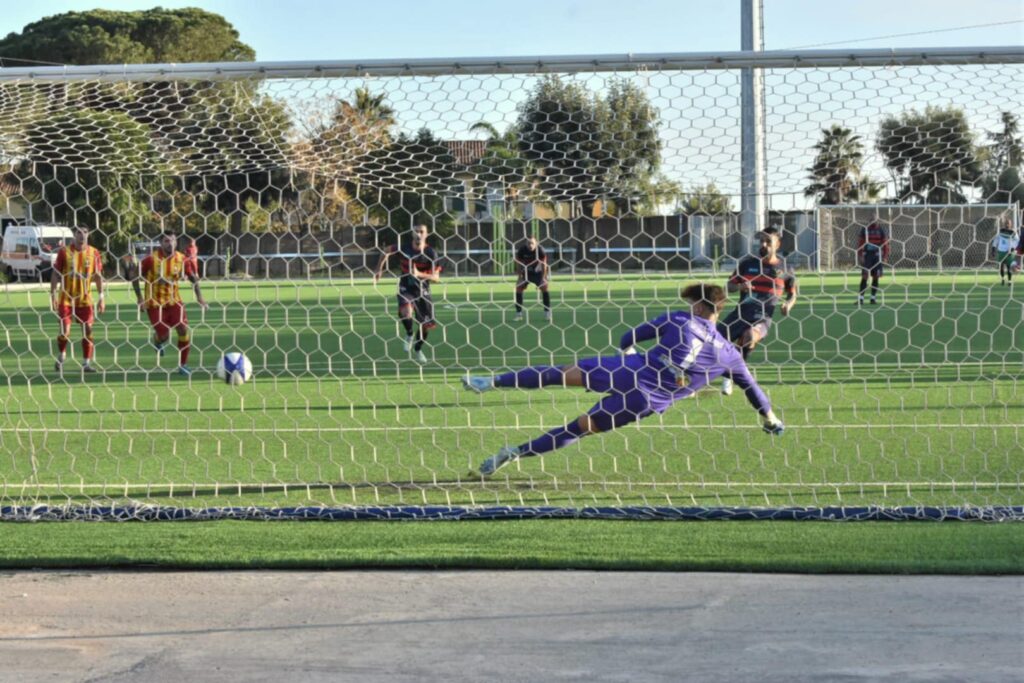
[293, 188]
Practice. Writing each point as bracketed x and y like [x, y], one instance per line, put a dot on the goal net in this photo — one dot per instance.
[298, 181]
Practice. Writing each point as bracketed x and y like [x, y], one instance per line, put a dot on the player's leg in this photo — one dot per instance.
[1008, 260]
[161, 330]
[734, 328]
[424, 313]
[405, 317]
[521, 286]
[597, 374]
[88, 344]
[753, 336]
[64, 315]
[876, 275]
[546, 298]
[177, 318]
[611, 412]
[863, 286]
[1002, 265]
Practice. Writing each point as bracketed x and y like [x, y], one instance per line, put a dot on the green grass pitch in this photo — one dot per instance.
[917, 401]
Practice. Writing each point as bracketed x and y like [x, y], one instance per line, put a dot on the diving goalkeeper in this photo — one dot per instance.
[689, 353]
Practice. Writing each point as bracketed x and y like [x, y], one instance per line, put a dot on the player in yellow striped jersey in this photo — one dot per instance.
[162, 272]
[75, 269]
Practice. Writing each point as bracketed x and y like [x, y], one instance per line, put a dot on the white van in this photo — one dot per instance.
[29, 250]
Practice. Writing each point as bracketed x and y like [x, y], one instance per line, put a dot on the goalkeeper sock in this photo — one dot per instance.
[407, 324]
[558, 437]
[62, 346]
[546, 296]
[184, 344]
[531, 378]
[519, 301]
[88, 347]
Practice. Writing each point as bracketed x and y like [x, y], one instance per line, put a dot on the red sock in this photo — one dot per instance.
[62, 344]
[184, 344]
[87, 348]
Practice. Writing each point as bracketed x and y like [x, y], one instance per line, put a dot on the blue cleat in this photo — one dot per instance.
[775, 428]
[478, 384]
[504, 457]
[184, 371]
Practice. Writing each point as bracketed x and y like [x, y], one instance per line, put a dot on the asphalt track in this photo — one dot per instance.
[507, 626]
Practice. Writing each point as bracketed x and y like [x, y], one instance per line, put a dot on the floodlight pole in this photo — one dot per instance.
[752, 143]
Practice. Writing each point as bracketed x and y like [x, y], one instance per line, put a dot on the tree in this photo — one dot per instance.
[223, 146]
[836, 174]
[406, 182]
[92, 168]
[655, 196]
[931, 156]
[111, 37]
[582, 147]
[630, 137]
[704, 199]
[1004, 155]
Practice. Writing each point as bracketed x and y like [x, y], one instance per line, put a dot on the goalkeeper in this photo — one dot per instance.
[689, 353]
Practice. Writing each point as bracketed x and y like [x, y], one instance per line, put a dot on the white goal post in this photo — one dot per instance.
[300, 181]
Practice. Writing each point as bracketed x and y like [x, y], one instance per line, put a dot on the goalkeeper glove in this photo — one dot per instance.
[772, 424]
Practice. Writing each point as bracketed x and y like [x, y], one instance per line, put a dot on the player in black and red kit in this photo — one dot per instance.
[420, 266]
[763, 281]
[872, 253]
[532, 269]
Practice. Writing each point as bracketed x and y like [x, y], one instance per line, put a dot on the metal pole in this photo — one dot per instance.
[752, 183]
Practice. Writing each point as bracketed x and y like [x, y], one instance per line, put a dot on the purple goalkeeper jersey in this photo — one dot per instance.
[690, 345]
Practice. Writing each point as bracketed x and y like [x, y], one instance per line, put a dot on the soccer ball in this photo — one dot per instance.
[234, 368]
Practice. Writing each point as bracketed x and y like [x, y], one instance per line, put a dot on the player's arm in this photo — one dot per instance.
[757, 398]
[885, 245]
[432, 275]
[647, 331]
[55, 278]
[520, 265]
[737, 283]
[193, 276]
[543, 258]
[383, 263]
[97, 277]
[791, 292]
[135, 271]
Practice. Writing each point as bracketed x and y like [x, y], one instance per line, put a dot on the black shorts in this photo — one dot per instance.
[418, 298]
[744, 318]
[872, 264]
[532, 277]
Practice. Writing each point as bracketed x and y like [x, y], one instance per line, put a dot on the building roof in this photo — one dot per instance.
[466, 152]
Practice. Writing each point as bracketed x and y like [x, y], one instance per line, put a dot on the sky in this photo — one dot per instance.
[306, 30]
[345, 29]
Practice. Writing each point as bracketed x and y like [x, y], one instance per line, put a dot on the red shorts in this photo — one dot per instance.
[82, 314]
[164, 318]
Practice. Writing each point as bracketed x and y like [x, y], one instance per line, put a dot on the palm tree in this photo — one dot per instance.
[836, 172]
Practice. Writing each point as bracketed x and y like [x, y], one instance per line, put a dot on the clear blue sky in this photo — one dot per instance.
[344, 29]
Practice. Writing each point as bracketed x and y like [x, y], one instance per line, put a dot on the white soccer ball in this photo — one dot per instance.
[234, 368]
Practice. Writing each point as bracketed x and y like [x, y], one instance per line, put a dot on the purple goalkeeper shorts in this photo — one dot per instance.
[633, 386]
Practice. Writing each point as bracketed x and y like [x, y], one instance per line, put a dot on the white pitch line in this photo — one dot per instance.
[488, 427]
[226, 487]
